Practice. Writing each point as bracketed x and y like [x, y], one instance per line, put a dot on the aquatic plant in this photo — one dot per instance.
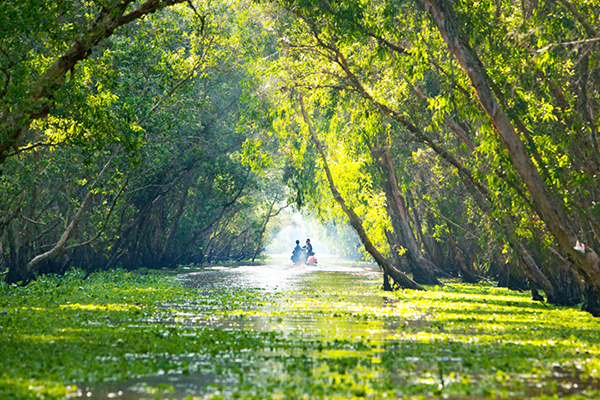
[331, 335]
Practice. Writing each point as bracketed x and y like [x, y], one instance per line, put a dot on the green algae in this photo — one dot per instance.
[333, 335]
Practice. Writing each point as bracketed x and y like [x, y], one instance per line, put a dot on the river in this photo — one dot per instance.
[328, 331]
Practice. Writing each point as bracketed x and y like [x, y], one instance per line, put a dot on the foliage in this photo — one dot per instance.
[374, 76]
[153, 125]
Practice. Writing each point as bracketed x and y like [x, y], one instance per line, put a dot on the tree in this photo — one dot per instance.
[32, 85]
[544, 203]
[392, 59]
[141, 163]
[388, 268]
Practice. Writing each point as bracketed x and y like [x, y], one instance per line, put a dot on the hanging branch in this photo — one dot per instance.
[388, 268]
[41, 96]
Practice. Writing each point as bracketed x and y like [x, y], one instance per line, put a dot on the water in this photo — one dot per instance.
[299, 300]
[301, 290]
[336, 327]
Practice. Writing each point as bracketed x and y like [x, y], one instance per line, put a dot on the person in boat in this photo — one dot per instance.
[297, 253]
[309, 249]
[310, 254]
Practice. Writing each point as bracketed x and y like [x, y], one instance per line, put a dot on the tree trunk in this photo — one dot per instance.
[262, 230]
[388, 268]
[423, 269]
[395, 248]
[436, 250]
[32, 265]
[264, 227]
[386, 283]
[416, 219]
[532, 271]
[549, 210]
[466, 272]
[17, 270]
[175, 225]
[482, 198]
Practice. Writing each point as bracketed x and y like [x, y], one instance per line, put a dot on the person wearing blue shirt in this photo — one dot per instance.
[309, 249]
[297, 253]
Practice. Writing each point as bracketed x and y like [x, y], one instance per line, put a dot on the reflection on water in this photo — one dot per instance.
[277, 277]
[334, 329]
[301, 301]
[302, 309]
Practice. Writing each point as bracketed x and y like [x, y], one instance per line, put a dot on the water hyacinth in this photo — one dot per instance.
[277, 332]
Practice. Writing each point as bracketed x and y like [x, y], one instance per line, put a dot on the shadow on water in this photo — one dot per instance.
[301, 298]
[334, 322]
[293, 300]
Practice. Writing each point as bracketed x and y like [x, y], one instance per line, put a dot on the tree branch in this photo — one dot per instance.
[400, 278]
[41, 97]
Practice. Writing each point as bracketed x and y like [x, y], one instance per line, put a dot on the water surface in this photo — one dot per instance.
[329, 330]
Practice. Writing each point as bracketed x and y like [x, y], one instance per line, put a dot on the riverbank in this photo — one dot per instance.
[280, 332]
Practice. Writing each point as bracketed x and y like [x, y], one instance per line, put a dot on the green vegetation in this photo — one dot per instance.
[465, 152]
[110, 326]
[141, 156]
[456, 139]
[334, 336]
[455, 143]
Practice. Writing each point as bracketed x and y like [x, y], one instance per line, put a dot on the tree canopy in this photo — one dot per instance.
[458, 139]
